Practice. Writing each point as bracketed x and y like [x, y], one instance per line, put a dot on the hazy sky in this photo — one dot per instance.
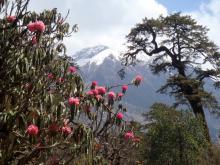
[108, 21]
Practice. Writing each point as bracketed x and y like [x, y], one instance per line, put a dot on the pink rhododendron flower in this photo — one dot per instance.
[101, 90]
[120, 95]
[129, 135]
[32, 130]
[34, 40]
[11, 18]
[138, 80]
[73, 101]
[31, 27]
[95, 91]
[119, 115]
[50, 76]
[94, 83]
[39, 25]
[36, 26]
[111, 95]
[66, 130]
[72, 69]
[124, 88]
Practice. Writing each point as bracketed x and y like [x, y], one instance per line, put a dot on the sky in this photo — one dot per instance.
[182, 5]
[107, 22]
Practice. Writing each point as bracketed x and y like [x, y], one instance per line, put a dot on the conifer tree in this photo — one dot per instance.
[180, 46]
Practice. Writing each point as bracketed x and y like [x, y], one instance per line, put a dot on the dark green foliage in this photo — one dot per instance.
[174, 137]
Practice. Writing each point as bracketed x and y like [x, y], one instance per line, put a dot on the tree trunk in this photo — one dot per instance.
[199, 112]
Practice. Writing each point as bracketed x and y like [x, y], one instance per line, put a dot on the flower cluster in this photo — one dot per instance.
[32, 130]
[119, 116]
[72, 69]
[111, 95]
[36, 26]
[129, 135]
[73, 101]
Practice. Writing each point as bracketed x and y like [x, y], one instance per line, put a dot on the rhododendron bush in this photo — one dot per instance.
[48, 115]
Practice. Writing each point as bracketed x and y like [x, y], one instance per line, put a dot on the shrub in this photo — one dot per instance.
[174, 137]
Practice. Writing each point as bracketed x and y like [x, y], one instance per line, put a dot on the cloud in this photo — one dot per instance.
[102, 21]
[209, 15]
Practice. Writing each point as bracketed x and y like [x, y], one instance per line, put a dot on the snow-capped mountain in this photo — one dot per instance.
[102, 64]
[97, 54]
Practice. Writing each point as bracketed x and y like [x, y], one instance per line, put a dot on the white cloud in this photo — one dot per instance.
[209, 15]
[102, 21]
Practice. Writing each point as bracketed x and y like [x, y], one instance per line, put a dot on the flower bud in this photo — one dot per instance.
[138, 80]
[124, 88]
[119, 116]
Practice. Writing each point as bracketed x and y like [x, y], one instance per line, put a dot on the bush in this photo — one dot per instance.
[174, 137]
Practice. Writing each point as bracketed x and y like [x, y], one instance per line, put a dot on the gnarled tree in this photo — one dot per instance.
[179, 45]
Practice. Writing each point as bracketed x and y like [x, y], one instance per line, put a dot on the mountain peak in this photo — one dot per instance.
[89, 52]
[95, 55]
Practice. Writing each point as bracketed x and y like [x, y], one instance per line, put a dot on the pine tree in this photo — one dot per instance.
[177, 44]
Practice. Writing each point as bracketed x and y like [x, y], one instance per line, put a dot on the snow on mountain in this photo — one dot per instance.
[97, 54]
[89, 52]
